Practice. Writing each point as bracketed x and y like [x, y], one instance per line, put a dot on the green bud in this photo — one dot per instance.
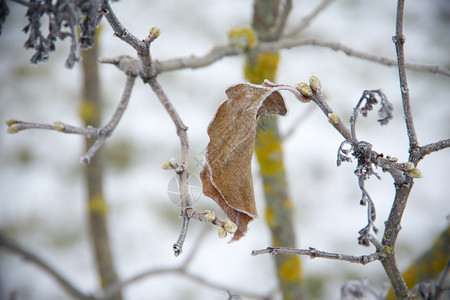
[13, 128]
[333, 118]
[58, 126]
[314, 83]
[210, 216]
[304, 89]
[414, 173]
[230, 227]
[11, 122]
[155, 32]
[222, 232]
[165, 165]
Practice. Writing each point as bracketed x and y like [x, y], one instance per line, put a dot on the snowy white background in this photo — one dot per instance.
[42, 201]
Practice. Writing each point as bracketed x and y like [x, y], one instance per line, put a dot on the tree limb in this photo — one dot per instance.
[69, 287]
[219, 52]
[433, 147]
[399, 41]
[101, 133]
[313, 253]
[306, 21]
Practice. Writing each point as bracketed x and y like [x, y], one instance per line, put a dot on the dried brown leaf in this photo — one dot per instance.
[227, 175]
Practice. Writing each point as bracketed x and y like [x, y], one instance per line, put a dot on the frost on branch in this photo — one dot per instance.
[227, 175]
[63, 18]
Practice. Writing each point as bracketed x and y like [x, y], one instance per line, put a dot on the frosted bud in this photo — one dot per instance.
[409, 166]
[210, 216]
[333, 118]
[230, 227]
[155, 32]
[58, 126]
[304, 89]
[314, 83]
[13, 128]
[166, 165]
[415, 173]
[222, 232]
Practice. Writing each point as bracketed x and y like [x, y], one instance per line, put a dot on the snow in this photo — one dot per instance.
[41, 184]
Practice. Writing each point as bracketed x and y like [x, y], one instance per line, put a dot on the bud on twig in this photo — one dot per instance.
[222, 232]
[230, 227]
[304, 89]
[58, 126]
[333, 118]
[165, 165]
[155, 32]
[314, 83]
[210, 216]
[415, 173]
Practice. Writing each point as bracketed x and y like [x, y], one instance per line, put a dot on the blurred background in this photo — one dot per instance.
[42, 193]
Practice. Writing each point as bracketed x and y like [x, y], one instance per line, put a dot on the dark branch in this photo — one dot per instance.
[14, 247]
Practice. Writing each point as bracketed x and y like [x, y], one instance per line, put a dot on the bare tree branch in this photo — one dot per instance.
[148, 74]
[313, 253]
[101, 134]
[292, 43]
[399, 41]
[392, 228]
[219, 52]
[181, 270]
[70, 288]
[107, 130]
[433, 147]
[306, 21]
[285, 6]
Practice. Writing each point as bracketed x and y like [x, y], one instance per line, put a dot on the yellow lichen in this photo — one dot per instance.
[290, 270]
[97, 204]
[87, 111]
[269, 153]
[243, 38]
[270, 217]
[263, 66]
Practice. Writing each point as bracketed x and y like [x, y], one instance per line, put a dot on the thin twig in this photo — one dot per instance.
[148, 74]
[290, 43]
[120, 31]
[181, 129]
[219, 52]
[101, 134]
[399, 41]
[107, 130]
[285, 6]
[313, 253]
[305, 21]
[433, 147]
[194, 62]
[14, 247]
[339, 125]
[181, 270]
